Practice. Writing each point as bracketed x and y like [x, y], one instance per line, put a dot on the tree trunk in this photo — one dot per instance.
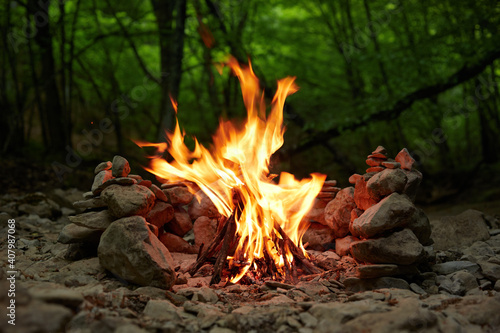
[170, 17]
[58, 133]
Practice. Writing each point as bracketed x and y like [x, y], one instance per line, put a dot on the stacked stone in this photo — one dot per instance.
[319, 234]
[376, 220]
[122, 217]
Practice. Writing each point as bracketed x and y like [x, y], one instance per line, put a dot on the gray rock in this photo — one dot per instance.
[318, 236]
[128, 200]
[45, 208]
[123, 181]
[462, 282]
[412, 184]
[160, 214]
[42, 317]
[338, 212]
[386, 182]
[93, 220]
[490, 270]
[380, 270]
[202, 206]
[179, 195]
[181, 223]
[129, 249]
[357, 285]
[205, 295]
[162, 310]
[100, 179]
[129, 328]
[421, 227]
[73, 233]
[102, 167]
[90, 203]
[52, 293]
[121, 167]
[454, 266]
[459, 231]
[402, 248]
[417, 289]
[392, 212]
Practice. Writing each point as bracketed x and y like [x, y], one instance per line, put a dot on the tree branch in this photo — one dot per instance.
[466, 73]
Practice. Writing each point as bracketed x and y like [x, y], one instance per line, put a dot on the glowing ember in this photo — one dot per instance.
[238, 163]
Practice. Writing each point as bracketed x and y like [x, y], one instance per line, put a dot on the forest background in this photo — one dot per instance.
[81, 78]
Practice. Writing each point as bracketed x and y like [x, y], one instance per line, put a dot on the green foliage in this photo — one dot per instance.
[349, 68]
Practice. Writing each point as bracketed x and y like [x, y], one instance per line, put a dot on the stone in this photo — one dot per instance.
[128, 200]
[394, 211]
[162, 310]
[202, 206]
[462, 282]
[175, 243]
[414, 179]
[121, 167]
[90, 203]
[103, 166]
[72, 233]
[421, 227]
[417, 289]
[53, 293]
[317, 212]
[130, 250]
[338, 212]
[391, 164]
[179, 195]
[454, 266]
[205, 295]
[375, 271]
[318, 237]
[354, 178]
[385, 183]
[405, 159]
[378, 155]
[123, 181]
[93, 220]
[343, 245]
[145, 183]
[490, 270]
[357, 285]
[41, 317]
[373, 161]
[380, 150]
[180, 223]
[160, 214]
[361, 196]
[205, 230]
[100, 179]
[39, 205]
[459, 231]
[159, 194]
[375, 169]
[402, 248]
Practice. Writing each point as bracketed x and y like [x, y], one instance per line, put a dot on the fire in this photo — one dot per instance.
[238, 163]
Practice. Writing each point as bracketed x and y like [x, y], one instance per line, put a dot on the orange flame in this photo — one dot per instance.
[239, 160]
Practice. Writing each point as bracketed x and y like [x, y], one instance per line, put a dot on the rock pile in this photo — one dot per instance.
[376, 222]
[121, 221]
